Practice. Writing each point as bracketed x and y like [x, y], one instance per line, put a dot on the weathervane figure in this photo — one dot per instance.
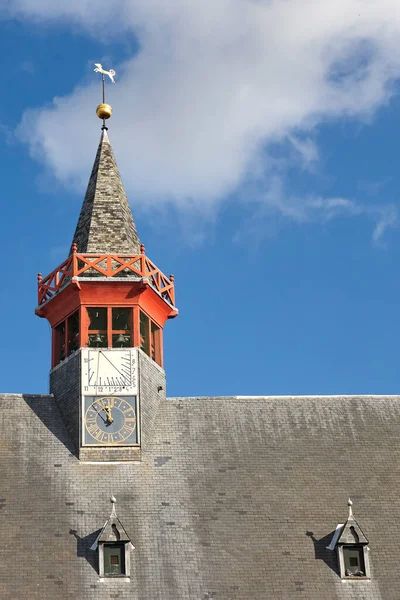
[99, 69]
[104, 111]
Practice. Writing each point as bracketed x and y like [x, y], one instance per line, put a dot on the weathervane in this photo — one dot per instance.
[104, 111]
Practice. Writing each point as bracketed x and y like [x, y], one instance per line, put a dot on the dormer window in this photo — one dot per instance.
[113, 545]
[114, 559]
[352, 548]
[353, 558]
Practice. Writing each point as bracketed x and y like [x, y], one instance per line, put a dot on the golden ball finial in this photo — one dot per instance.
[104, 111]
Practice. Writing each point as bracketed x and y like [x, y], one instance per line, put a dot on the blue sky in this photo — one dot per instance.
[259, 150]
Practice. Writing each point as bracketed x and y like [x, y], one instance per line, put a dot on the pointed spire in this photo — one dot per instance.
[105, 224]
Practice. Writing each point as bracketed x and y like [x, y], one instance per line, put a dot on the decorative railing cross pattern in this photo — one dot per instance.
[108, 265]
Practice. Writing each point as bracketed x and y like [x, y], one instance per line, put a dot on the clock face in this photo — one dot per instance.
[110, 420]
[106, 371]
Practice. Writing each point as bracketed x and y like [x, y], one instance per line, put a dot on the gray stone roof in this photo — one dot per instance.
[235, 499]
[105, 222]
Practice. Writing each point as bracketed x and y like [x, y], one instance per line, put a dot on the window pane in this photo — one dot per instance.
[145, 333]
[97, 340]
[114, 559]
[121, 319]
[73, 332]
[59, 333]
[354, 561]
[120, 340]
[98, 319]
[155, 343]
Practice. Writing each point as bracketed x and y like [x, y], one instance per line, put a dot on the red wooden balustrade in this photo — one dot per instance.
[107, 265]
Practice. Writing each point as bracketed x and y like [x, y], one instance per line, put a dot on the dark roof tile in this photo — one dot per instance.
[105, 223]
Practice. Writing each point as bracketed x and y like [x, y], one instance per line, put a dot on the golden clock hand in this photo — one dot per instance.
[107, 410]
[99, 412]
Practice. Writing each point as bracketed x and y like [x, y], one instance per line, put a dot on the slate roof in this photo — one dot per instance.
[105, 222]
[236, 499]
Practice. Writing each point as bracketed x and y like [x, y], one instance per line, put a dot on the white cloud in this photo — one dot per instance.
[275, 206]
[213, 84]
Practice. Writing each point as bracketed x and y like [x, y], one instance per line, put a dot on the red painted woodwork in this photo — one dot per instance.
[108, 265]
[65, 291]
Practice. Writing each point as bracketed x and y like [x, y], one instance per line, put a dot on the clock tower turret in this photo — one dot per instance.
[107, 304]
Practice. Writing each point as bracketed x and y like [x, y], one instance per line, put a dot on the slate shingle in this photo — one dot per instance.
[105, 223]
[243, 508]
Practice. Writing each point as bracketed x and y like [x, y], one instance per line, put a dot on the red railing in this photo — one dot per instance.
[108, 265]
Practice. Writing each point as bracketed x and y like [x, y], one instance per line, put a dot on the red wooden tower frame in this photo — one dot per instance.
[85, 282]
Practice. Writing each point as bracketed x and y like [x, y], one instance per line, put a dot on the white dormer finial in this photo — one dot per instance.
[350, 505]
[113, 501]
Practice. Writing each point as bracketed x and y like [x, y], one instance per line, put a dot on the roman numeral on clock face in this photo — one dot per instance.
[110, 420]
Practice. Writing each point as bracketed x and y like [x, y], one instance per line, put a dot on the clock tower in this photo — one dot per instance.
[107, 304]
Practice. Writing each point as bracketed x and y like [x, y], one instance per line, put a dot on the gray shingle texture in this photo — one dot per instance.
[105, 223]
[234, 499]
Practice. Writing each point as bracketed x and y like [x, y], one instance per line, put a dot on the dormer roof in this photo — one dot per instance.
[348, 533]
[352, 533]
[113, 530]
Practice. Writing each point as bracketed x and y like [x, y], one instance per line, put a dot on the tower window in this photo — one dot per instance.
[150, 338]
[59, 343]
[114, 559]
[73, 332]
[66, 338]
[121, 327]
[110, 327]
[97, 327]
[144, 333]
[155, 345]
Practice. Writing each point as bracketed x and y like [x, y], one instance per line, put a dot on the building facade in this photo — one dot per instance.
[110, 489]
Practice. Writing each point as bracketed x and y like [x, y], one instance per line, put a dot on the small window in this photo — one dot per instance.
[98, 319]
[352, 548]
[145, 333]
[155, 343]
[150, 338]
[73, 332]
[354, 561]
[121, 319]
[114, 560]
[97, 337]
[59, 343]
[121, 327]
